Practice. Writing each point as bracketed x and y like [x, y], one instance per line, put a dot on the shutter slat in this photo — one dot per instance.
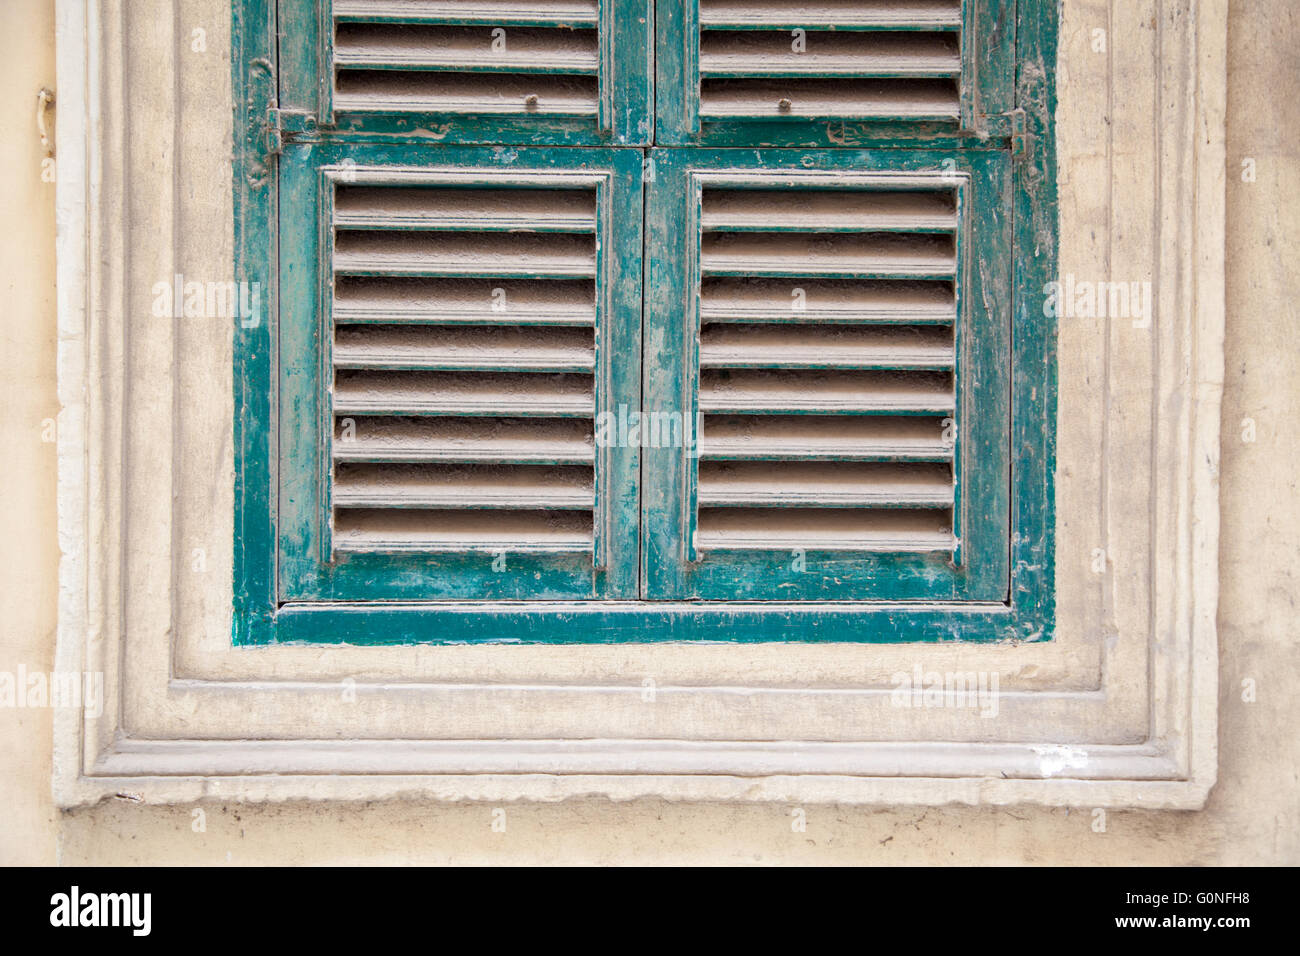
[474, 93]
[500, 348]
[827, 210]
[462, 486]
[824, 392]
[823, 529]
[364, 392]
[498, 441]
[839, 14]
[361, 300]
[804, 484]
[830, 301]
[407, 530]
[565, 13]
[815, 438]
[464, 49]
[462, 210]
[862, 347]
[861, 54]
[866, 255]
[904, 99]
[441, 254]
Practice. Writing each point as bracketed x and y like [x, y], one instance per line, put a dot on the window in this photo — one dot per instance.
[718, 698]
[601, 321]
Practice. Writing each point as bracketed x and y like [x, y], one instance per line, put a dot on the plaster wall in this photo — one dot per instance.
[1253, 815]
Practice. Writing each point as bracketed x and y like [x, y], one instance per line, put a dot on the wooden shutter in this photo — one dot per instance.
[547, 71]
[452, 321]
[396, 435]
[844, 346]
[769, 72]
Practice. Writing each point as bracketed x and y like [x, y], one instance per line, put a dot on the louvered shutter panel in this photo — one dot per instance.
[487, 71]
[453, 322]
[771, 72]
[843, 353]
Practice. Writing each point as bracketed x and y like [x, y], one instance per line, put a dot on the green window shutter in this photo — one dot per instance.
[563, 72]
[452, 321]
[839, 331]
[842, 250]
[833, 72]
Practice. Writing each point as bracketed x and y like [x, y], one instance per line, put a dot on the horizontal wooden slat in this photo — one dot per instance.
[841, 14]
[391, 530]
[821, 300]
[771, 392]
[467, 49]
[440, 254]
[811, 437]
[462, 486]
[824, 485]
[828, 210]
[503, 12]
[823, 529]
[501, 348]
[875, 255]
[862, 347]
[914, 100]
[477, 93]
[537, 441]
[462, 393]
[364, 300]
[469, 210]
[861, 54]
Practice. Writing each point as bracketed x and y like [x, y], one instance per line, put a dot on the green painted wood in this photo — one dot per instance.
[253, 84]
[671, 567]
[623, 114]
[1034, 336]
[309, 569]
[341, 608]
[642, 621]
[986, 83]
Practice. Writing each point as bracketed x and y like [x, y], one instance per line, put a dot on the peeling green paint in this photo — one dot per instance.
[281, 598]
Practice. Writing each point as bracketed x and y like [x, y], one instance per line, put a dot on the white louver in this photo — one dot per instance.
[463, 352]
[473, 57]
[823, 59]
[827, 367]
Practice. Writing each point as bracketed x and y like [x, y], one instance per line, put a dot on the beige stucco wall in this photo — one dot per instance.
[1252, 816]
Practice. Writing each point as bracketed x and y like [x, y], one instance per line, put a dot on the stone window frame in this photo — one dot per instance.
[1119, 710]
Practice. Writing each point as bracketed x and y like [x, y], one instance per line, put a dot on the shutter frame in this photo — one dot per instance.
[978, 569]
[264, 615]
[621, 106]
[987, 82]
[310, 568]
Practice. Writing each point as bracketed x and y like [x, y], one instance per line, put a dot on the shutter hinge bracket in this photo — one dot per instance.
[1010, 125]
[1019, 135]
[282, 127]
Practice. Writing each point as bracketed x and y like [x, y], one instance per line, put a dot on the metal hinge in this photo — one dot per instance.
[286, 126]
[1019, 137]
[1010, 125]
